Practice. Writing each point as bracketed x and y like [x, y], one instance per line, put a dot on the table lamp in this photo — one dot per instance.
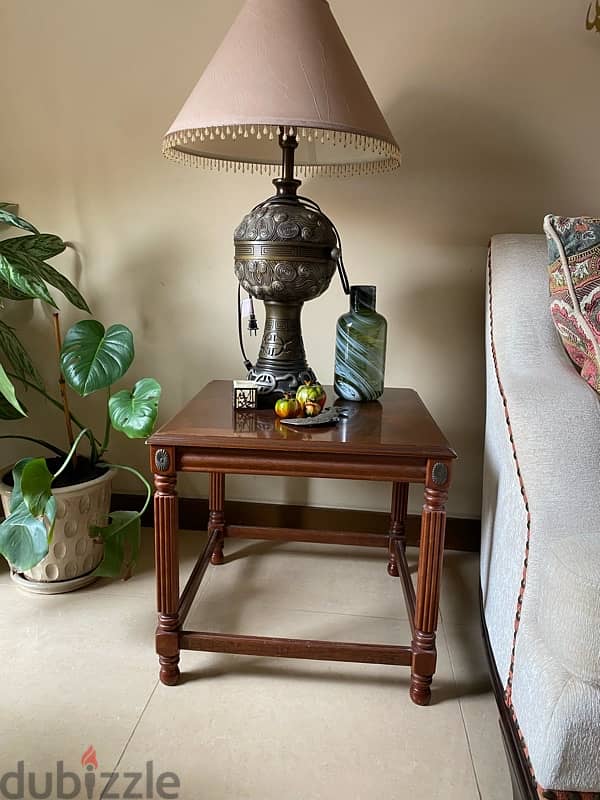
[283, 96]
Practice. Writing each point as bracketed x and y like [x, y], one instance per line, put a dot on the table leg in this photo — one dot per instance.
[431, 553]
[397, 524]
[167, 576]
[216, 516]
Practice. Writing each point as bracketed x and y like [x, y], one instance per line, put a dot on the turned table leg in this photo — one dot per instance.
[397, 524]
[431, 553]
[167, 575]
[216, 516]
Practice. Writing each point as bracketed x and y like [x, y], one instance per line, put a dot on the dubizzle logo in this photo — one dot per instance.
[89, 759]
[61, 785]
[89, 762]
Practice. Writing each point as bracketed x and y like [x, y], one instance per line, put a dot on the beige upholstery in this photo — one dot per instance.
[549, 474]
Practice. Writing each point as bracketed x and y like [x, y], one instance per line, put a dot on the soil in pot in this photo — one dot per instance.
[83, 472]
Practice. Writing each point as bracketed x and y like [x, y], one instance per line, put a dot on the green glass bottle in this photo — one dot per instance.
[360, 348]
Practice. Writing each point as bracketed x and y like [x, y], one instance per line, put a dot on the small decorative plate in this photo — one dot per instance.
[329, 416]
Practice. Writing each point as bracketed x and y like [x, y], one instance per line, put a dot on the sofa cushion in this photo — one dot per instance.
[574, 269]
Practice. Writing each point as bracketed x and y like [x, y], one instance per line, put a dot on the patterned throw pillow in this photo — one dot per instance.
[574, 268]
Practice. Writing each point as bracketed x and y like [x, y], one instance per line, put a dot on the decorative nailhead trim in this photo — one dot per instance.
[439, 474]
[162, 460]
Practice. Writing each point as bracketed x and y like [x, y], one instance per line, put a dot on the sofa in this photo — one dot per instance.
[540, 549]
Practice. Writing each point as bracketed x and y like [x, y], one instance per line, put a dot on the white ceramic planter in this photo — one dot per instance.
[73, 554]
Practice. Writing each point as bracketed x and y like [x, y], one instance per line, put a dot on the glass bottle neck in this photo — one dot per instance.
[362, 298]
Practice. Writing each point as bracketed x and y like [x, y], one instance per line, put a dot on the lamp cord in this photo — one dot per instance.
[247, 362]
[312, 206]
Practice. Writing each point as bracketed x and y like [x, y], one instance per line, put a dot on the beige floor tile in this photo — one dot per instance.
[266, 729]
[310, 577]
[142, 584]
[459, 598]
[80, 670]
[479, 711]
[459, 601]
[76, 670]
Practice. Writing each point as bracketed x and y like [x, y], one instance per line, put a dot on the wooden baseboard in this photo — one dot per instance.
[461, 534]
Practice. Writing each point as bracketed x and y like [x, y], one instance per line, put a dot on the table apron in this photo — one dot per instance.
[297, 464]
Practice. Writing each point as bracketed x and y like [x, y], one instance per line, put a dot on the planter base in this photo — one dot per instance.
[52, 587]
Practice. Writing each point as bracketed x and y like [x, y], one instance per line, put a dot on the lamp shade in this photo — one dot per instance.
[284, 66]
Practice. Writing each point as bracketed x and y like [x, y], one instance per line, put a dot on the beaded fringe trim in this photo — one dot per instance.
[174, 147]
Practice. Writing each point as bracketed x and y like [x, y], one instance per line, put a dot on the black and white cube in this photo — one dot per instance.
[245, 395]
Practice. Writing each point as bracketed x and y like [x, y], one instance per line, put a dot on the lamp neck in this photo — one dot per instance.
[287, 185]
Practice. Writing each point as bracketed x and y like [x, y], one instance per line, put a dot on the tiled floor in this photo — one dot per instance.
[79, 670]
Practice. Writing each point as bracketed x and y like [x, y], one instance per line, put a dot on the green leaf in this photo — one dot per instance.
[7, 390]
[55, 278]
[20, 277]
[16, 222]
[16, 497]
[10, 293]
[121, 538]
[7, 412]
[36, 482]
[50, 514]
[29, 252]
[93, 358]
[23, 539]
[134, 412]
[39, 246]
[18, 357]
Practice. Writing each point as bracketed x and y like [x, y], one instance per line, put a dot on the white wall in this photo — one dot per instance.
[495, 106]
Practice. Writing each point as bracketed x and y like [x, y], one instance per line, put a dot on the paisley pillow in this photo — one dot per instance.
[574, 271]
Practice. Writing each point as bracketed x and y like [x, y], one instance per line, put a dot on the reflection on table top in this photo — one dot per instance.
[397, 424]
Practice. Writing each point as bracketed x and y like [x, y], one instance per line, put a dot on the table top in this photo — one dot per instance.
[398, 424]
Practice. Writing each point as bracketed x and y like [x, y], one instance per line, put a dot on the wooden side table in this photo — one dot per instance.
[394, 439]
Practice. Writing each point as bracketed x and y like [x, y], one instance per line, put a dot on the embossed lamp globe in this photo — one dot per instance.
[284, 252]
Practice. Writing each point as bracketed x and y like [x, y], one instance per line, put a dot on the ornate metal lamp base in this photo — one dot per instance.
[281, 366]
[286, 252]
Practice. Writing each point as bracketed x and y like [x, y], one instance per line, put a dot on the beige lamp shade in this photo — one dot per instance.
[284, 66]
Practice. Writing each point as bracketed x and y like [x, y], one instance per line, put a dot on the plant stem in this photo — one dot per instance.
[49, 398]
[41, 442]
[72, 454]
[63, 386]
[139, 475]
[107, 427]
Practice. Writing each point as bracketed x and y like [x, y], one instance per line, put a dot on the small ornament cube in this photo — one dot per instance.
[245, 395]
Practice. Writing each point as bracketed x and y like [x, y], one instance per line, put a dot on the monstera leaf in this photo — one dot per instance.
[23, 539]
[36, 482]
[134, 413]
[16, 496]
[93, 358]
[7, 390]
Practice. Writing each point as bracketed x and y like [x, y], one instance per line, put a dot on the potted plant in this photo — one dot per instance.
[58, 533]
